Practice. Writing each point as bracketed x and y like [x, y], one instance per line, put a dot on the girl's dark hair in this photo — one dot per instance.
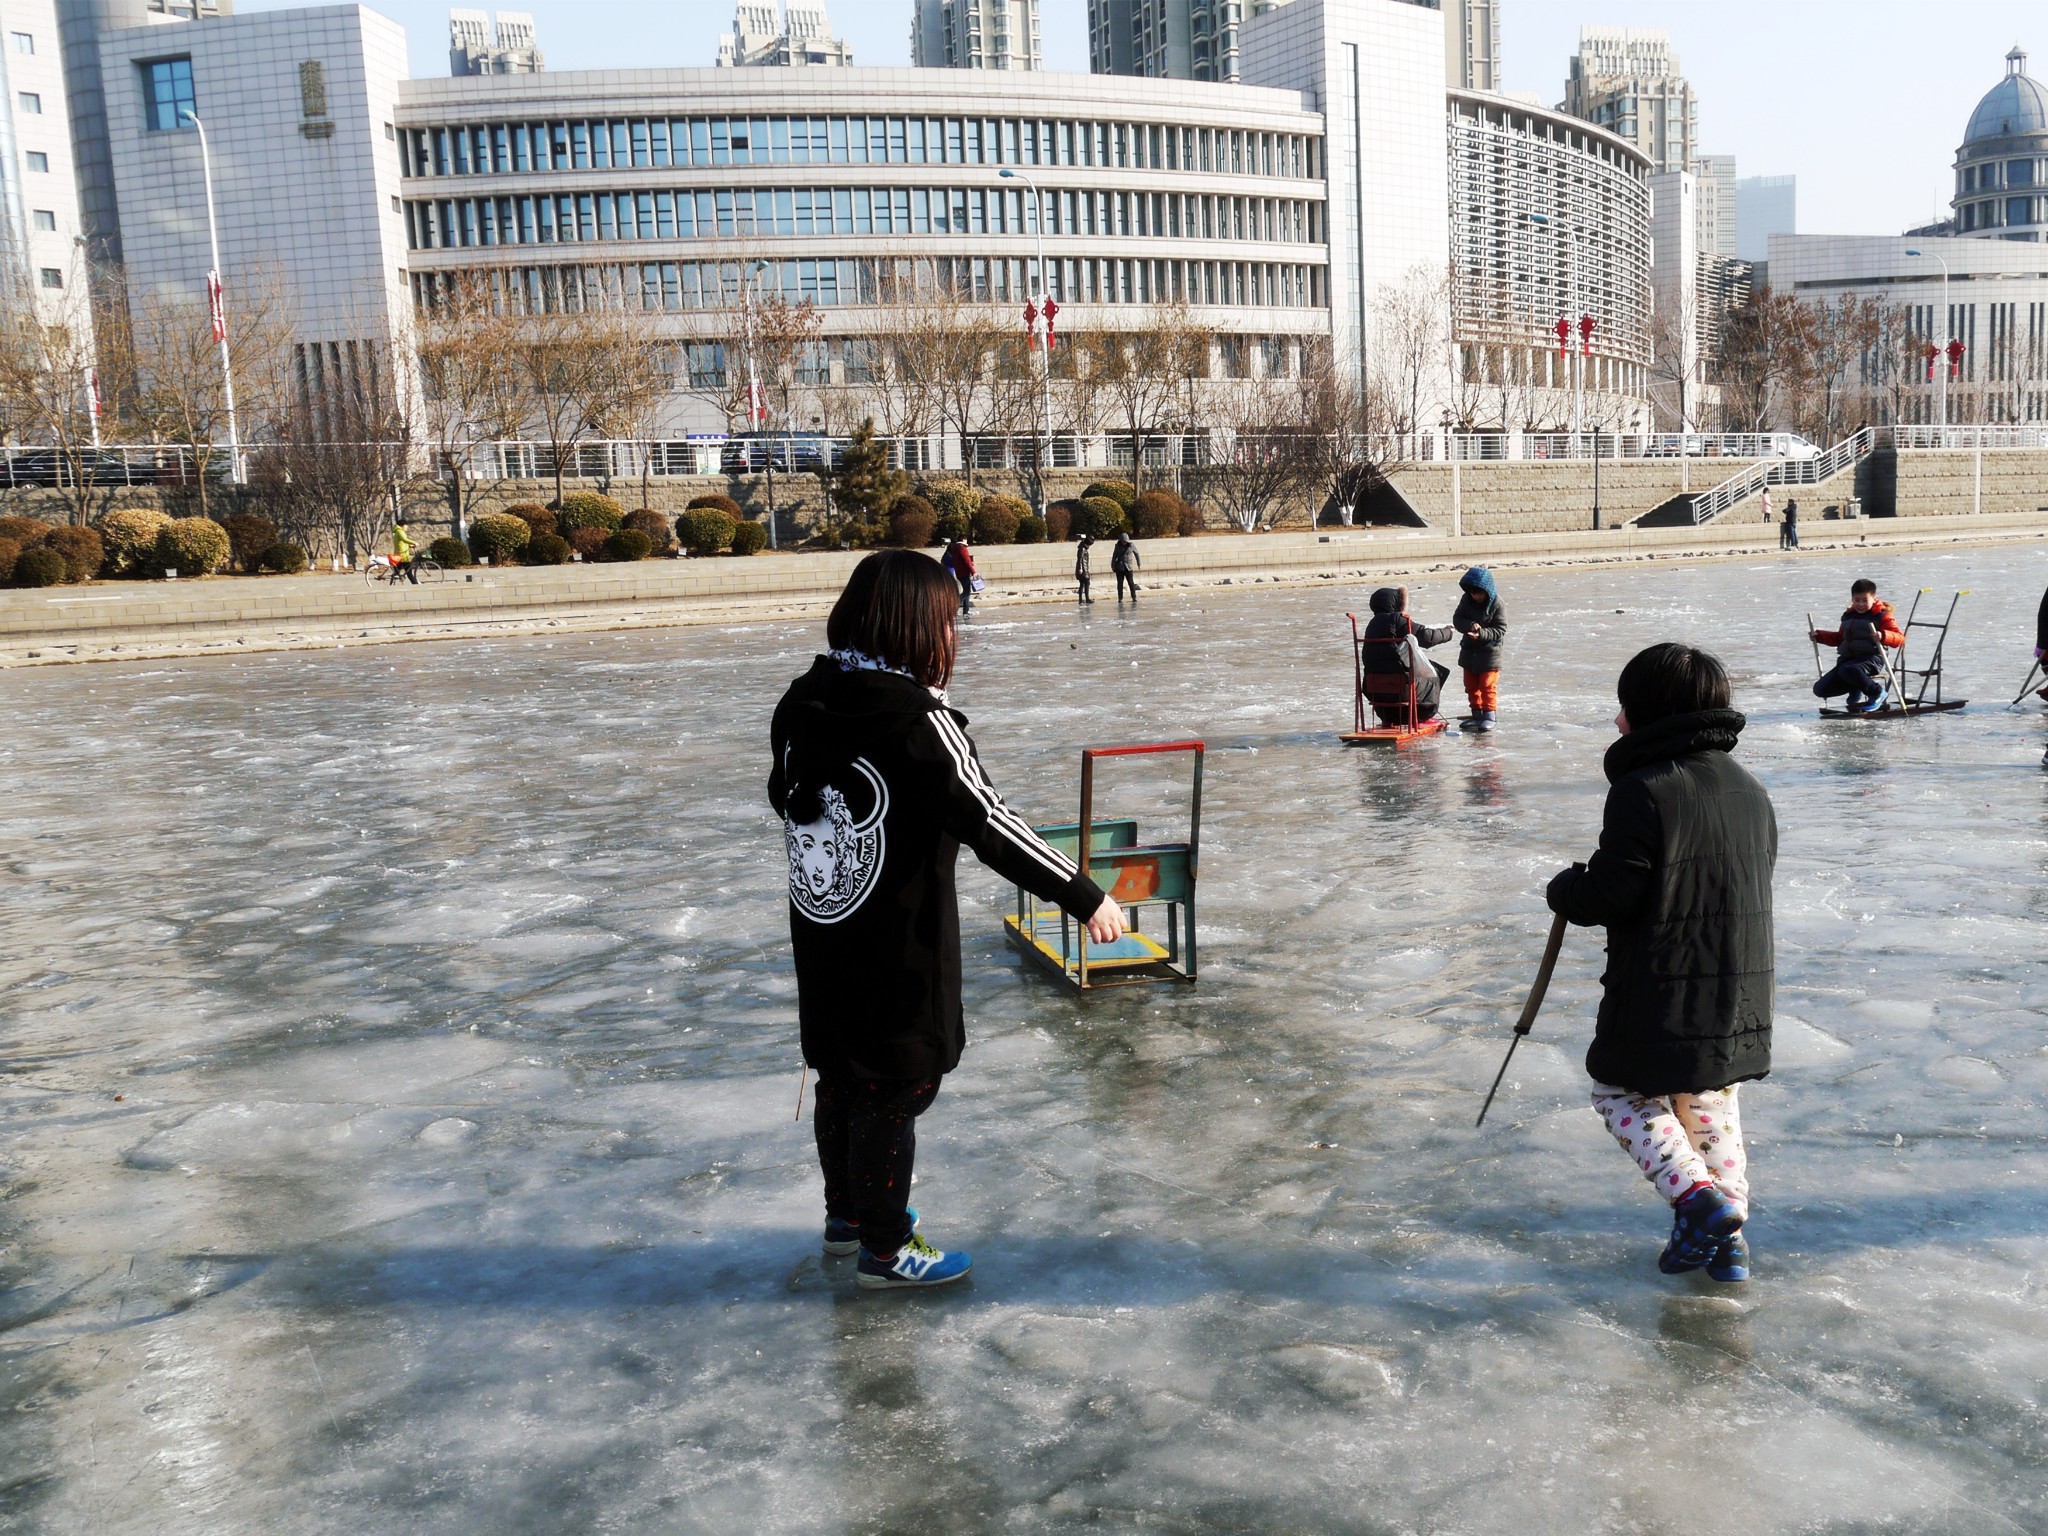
[898, 607]
[1671, 679]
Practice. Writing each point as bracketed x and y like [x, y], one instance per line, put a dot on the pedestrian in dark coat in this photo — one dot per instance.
[878, 786]
[2041, 646]
[1483, 622]
[1124, 561]
[1391, 658]
[1082, 546]
[958, 561]
[1682, 884]
[1788, 528]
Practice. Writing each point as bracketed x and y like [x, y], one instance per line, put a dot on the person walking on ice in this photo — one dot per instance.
[1082, 548]
[1124, 561]
[1869, 628]
[878, 786]
[1682, 883]
[958, 561]
[1483, 622]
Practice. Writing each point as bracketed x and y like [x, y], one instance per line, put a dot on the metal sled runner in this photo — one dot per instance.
[1900, 679]
[1387, 690]
[1134, 874]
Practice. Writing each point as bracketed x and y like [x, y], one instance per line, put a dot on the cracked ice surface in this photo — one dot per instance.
[453, 1184]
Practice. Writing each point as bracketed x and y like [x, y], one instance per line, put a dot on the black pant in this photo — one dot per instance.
[867, 1143]
[1859, 679]
[966, 591]
[405, 568]
[1788, 535]
[1124, 579]
[1081, 580]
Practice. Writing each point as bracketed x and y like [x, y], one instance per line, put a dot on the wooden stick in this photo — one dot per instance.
[1528, 1018]
[1817, 673]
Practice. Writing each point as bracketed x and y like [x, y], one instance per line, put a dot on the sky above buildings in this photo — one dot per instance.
[1863, 100]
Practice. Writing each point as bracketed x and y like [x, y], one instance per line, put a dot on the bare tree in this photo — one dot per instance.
[1269, 452]
[1407, 339]
[1842, 332]
[584, 376]
[1766, 358]
[1675, 358]
[467, 340]
[1143, 372]
[1349, 427]
[46, 362]
[345, 457]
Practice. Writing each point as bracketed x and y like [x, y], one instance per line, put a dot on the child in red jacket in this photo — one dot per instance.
[1869, 628]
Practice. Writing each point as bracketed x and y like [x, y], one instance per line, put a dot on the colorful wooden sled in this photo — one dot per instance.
[1400, 733]
[1136, 875]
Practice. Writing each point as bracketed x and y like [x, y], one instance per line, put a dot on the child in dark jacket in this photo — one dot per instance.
[878, 785]
[1392, 662]
[1682, 883]
[1483, 622]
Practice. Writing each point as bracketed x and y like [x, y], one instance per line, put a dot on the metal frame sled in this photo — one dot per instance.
[1929, 675]
[1132, 873]
[1398, 734]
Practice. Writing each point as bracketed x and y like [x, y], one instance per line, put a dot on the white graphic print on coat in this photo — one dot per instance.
[833, 861]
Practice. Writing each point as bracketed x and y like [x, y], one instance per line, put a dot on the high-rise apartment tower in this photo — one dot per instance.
[475, 49]
[799, 34]
[1472, 45]
[975, 34]
[1167, 39]
[1627, 80]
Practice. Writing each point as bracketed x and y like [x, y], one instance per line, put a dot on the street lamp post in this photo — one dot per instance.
[1044, 336]
[217, 303]
[1946, 362]
[1577, 359]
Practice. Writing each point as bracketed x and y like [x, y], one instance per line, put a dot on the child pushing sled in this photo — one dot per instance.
[1681, 881]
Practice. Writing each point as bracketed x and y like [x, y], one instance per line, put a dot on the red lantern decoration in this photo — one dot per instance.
[1932, 353]
[1955, 359]
[1587, 325]
[1051, 309]
[1030, 318]
[1564, 336]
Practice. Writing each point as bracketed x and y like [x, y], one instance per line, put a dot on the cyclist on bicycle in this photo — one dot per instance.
[401, 552]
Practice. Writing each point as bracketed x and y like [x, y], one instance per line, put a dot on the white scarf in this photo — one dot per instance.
[851, 660]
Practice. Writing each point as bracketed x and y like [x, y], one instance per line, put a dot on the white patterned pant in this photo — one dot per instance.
[1682, 1141]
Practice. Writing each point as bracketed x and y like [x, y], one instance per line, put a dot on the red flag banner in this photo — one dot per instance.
[213, 303]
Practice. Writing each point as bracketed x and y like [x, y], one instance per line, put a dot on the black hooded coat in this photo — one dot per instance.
[1682, 883]
[878, 786]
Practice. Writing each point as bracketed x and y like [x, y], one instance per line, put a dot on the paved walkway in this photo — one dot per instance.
[128, 620]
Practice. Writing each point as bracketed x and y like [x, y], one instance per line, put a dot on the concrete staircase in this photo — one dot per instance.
[1830, 474]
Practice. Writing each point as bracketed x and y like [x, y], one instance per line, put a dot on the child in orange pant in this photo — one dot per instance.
[1483, 622]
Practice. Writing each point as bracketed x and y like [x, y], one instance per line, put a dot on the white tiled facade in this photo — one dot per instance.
[38, 185]
[1375, 70]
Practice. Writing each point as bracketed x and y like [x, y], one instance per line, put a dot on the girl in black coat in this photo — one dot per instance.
[1682, 883]
[878, 785]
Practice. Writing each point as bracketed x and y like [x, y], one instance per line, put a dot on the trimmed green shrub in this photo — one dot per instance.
[499, 536]
[24, 531]
[717, 503]
[283, 559]
[628, 544]
[588, 509]
[749, 538]
[128, 535]
[38, 566]
[1059, 520]
[80, 548]
[995, 520]
[660, 540]
[191, 546]
[587, 542]
[911, 522]
[1031, 529]
[546, 549]
[537, 517]
[1158, 515]
[1122, 492]
[248, 536]
[1100, 516]
[955, 505]
[10, 551]
[705, 530]
[450, 553]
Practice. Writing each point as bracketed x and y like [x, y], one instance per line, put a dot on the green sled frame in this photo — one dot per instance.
[1136, 875]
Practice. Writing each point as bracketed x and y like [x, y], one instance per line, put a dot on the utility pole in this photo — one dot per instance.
[1044, 310]
[217, 304]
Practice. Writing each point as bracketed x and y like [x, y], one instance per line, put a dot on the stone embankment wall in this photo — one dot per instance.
[1959, 483]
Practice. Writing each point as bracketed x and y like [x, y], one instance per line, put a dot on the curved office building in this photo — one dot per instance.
[1550, 219]
[668, 188]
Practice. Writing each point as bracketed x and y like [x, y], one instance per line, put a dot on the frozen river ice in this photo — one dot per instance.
[399, 1065]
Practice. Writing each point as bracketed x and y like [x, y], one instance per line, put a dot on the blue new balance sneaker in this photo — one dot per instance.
[842, 1238]
[1730, 1261]
[1698, 1224]
[916, 1263]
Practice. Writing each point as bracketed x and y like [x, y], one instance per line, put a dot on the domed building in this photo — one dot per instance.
[2002, 166]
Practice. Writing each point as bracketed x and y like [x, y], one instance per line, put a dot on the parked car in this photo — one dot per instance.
[750, 453]
[1790, 445]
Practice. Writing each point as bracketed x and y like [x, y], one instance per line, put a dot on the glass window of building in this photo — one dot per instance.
[31, 103]
[23, 42]
[52, 277]
[37, 160]
[46, 219]
[167, 87]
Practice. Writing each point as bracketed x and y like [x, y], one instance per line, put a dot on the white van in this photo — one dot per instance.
[1790, 445]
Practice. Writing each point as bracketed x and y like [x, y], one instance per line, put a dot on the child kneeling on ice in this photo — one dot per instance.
[878, 786]
[1682, 883]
